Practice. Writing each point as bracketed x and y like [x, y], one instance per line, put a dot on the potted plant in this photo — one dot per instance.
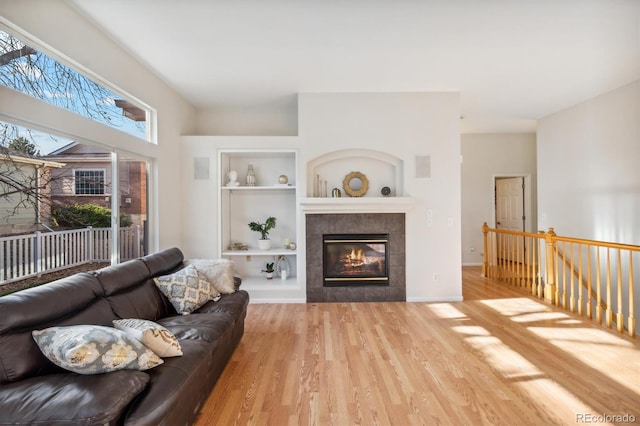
[268, 268]
[263, 228]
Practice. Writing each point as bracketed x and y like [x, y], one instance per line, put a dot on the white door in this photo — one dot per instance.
[510, 203]
[510, 215]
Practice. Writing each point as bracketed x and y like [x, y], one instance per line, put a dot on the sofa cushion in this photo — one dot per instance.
[71, 399]
[152, 335]
[72, 300]
[219, 272]
[233, 304]
[206, 327]
[123, 276]
[177, 389]
[92, 349]
[163, 262]
[186, 289]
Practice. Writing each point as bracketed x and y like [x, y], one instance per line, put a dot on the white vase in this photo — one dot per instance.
[264, 244]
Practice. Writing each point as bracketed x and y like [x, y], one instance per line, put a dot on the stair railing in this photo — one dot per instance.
[594, 279]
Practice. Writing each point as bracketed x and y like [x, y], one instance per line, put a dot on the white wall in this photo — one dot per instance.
[589, 168]
[61, 28]
[404, 125]
[485, 157]
[278, 118]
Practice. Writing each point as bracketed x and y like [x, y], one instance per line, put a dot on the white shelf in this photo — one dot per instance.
[256, 252]
[358, 205]
[242, 204]
[262, 283]
[257, 188]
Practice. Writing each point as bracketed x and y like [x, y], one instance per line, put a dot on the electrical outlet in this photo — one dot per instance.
[436, 277]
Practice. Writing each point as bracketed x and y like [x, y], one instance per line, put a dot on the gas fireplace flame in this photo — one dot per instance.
[356, 258]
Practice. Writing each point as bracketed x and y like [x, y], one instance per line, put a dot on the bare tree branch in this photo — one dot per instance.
[7, 57]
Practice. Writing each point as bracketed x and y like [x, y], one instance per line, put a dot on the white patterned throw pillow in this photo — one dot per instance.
[185, 289]
[152, 335]
[94, 349]
[219, 272]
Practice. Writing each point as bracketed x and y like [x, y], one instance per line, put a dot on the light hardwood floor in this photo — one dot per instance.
[499, 357]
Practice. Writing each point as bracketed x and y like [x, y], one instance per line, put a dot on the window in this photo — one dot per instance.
[89, 182]
[96, 173]
[32, 72]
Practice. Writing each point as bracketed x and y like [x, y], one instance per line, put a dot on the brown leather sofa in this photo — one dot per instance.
[35, 391]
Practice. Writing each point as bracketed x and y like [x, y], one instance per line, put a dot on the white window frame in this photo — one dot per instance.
[93, 169]
[150, 113]
[26, 111]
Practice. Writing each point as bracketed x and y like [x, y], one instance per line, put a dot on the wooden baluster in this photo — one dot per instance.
[557, 277]
[572, 297]
[509, 262]
[598, 291]
[494, 255]
[505, 263]
[589, 305]
[534, 259]
[527, 256]
[620, 315]
[580, 302]
[538, 289]
[523, 268]
[512, 255]
[631, 321]
[485, 244]
[609, 311]
[564, 275]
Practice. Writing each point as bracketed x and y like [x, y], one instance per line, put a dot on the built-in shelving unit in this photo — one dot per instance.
[239, 205]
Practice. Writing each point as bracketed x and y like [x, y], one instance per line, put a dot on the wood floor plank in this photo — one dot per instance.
[499, 357]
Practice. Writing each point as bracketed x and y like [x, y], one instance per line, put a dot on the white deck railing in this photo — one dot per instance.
[24, 256]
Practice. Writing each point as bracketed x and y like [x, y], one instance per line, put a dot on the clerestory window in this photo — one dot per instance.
[30, 71]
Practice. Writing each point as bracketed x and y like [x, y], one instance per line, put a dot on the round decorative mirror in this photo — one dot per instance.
[355, 184]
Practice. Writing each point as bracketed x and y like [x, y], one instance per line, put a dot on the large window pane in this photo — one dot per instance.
[34, 73]
[56, 209]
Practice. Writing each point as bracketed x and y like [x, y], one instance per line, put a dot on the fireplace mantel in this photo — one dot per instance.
[357, 205]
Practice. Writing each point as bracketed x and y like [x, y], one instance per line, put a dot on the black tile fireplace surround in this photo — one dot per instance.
[318, 225]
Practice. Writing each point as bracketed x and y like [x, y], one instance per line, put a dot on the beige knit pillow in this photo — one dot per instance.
[152, 335]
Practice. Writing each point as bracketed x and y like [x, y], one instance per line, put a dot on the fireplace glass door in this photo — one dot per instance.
[355, 259]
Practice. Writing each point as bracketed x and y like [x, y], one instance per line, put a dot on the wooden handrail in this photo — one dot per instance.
[536, 260]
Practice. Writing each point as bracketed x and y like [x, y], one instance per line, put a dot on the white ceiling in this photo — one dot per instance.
[513, 61]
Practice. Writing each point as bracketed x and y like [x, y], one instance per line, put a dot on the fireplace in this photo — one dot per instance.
[321, 225]
[355, 259]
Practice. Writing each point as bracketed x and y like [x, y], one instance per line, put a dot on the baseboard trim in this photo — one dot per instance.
[435, 299]
[472, 264]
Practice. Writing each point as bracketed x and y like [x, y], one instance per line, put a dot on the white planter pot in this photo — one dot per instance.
[264, 244]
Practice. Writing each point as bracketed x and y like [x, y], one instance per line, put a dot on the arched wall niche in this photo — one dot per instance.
[380, 168]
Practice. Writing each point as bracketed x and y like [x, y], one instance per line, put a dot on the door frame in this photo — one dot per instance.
[527, 209]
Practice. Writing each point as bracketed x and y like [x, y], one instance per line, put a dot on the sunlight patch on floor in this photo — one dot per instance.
[591, 346]
[540, 316]
[588, 345]
[503, 359]
[516, 306]
[541, 390]
[474, 330]
[445, 310]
